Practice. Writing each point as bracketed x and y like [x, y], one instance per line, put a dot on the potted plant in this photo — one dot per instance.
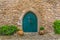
[41, 30]
[20, 32]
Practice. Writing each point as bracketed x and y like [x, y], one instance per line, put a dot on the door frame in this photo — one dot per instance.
[37, 13]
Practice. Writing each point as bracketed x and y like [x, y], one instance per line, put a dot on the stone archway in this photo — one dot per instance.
[37, 13]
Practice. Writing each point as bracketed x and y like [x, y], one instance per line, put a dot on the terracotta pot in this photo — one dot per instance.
[42, 32]
[21, 33]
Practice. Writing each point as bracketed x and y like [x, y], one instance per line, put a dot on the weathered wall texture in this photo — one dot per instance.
[12, 10]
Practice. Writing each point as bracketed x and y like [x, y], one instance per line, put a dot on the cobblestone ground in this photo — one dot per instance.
[31, 36]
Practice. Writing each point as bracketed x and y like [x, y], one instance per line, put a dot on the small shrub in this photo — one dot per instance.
[56, 26]
[41, 28]
[8, 29]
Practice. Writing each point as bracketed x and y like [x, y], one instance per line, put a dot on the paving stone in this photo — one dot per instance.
[29, 37]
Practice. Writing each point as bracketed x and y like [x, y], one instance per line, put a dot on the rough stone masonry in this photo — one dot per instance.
[12, 11]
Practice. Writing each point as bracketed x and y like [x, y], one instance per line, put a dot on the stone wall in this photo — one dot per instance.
[11, 11]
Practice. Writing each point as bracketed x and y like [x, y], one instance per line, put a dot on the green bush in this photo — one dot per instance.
[56, 26]
[41, 28]
[8, 29]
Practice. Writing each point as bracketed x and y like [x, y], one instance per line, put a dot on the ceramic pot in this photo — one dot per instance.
[42, 32]
[21, 33]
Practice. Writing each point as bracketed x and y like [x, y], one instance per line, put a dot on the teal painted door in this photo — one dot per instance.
[30, 22]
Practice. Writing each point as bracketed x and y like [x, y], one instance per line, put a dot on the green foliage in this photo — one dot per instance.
[56, 26]
[41, 28]
[8, 29]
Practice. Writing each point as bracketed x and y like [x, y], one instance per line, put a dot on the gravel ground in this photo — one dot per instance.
[31, 36]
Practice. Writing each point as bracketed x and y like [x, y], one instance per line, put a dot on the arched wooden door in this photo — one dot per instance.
[29, 22]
